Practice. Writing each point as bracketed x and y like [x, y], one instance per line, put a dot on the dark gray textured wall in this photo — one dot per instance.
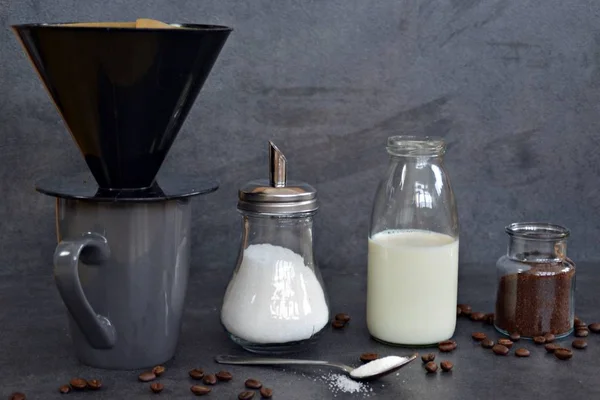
[513, 86]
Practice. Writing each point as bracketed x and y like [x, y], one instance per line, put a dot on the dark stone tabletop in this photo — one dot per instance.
[37, 356]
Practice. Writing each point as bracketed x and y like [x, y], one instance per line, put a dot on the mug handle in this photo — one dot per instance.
[92, 248]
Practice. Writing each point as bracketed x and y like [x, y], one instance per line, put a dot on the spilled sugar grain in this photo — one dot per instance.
[340, 384]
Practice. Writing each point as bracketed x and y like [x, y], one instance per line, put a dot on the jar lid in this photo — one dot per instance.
[277, 195]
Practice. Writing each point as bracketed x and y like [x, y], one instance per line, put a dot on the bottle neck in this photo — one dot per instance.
[524, 249]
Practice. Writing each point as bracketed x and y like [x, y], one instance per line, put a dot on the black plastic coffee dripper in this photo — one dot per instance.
[123, 92]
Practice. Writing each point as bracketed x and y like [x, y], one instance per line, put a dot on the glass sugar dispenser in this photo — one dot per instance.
[536, 282]
[275, 301]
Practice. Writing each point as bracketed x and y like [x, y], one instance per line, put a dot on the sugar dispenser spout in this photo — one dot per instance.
[277, 166]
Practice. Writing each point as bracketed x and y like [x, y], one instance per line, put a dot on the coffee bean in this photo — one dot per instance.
[487, 343]
[78, 383]
[157, 387]
[338, 324]
[582, 333]
[64, 389]
[539, 340]
[253, 384]
[247, 395]
[209, 379]
[577, 323]
[505, 342]
[428, 357]
[196, 373]
[200, 390]
[224, 376]
[368, 357]
[431, 367]
[563, 354]
[551, 347]
[447, 346]
[446, 366]
[522, 352]
[342, 317]
[549, 337]
[17, 396]
[477, 316]
[595, 327]
[94, 384]
[458, 311]
[515, 336]
[579, 344]
[465, 309]
[158, 370]
[500, 350]
[489, 319]
[266, 393]
[147, 376]
[479, 336]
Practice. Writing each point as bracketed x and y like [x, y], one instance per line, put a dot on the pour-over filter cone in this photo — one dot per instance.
[123, 92]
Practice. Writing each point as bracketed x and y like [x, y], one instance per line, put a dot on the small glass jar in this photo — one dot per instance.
[536, 282]
[412, 279]
[275, 301]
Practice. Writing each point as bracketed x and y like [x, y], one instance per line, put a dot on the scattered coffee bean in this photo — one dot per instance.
[196, 373]
[447, 346]
[582, 333]
[505, 342]
[465, 309]
[342, 317]
[477, 316]
[595, 327]
[78, 383]
[479, 336]
[224, 376]
[489, 319]
[158, 370]
[64, 389]
[515, 336]
[17, 396]
[563, 354]
[549, 337]
[579, 344]
[368, 357]
[200, 390]
[539, 340]
[247, 395]
[157, 387]
[500, 350]
[147, 376]
[209, 379]
[253, 384]
[336, 324]
[577, 323]
[458, 311]
[431, 367]
[266, 393]
[428, 357]
[551, 347]
[446, 366]
[522, 352]
[94, 384]
[487, 343]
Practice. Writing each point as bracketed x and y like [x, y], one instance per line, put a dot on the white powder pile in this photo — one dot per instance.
[342, 384]
[377, 366]
[274, 297]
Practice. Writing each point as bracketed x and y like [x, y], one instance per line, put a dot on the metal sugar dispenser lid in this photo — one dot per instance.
[277, 195]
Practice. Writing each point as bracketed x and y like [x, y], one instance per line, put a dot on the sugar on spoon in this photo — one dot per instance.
[367, 372]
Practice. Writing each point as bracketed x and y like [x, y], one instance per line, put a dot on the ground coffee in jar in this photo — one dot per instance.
[536, 282]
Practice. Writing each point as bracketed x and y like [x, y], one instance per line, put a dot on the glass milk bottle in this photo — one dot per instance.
[275, 301]
[412, 279]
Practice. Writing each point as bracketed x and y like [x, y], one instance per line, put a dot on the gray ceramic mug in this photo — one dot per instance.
[121, 269]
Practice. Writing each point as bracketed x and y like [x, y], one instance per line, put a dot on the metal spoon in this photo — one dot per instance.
[241, 360]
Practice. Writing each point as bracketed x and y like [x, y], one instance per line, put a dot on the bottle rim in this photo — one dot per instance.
[402, 145]
[537, 231]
